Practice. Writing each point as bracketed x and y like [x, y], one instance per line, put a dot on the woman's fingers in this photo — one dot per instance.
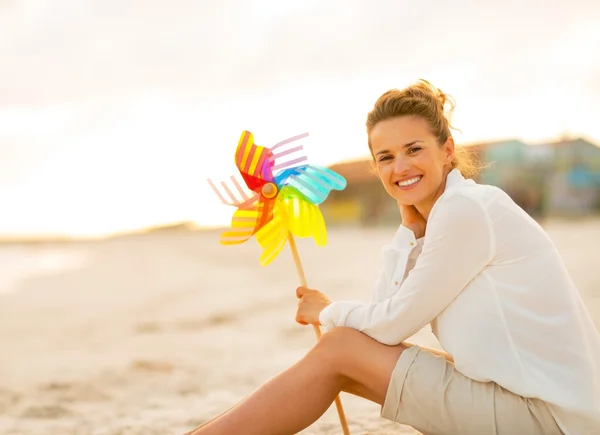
[301, 291]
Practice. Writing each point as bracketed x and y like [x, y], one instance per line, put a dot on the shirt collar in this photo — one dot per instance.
[453, 178]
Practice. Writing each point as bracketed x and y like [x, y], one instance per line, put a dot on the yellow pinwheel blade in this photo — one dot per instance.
[247, 221]
[304, 218]
[243, 226]
[292, 213]
[273, 237]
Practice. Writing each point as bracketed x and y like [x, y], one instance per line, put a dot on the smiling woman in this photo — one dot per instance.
[413, 149]
[523, 353]
[430, 105]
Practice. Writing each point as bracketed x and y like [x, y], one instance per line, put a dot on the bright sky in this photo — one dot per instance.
[113, 113]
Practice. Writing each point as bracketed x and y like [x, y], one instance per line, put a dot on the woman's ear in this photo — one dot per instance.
[449, 150]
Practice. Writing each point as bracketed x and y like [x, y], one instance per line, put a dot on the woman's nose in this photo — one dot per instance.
[400, 165]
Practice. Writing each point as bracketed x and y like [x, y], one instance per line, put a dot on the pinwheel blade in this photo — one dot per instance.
[253, 162]
[243, 226]
[314, 182]
[272, 237]
[232, 192]
[304, 219]
[288, 153]
[247, 222]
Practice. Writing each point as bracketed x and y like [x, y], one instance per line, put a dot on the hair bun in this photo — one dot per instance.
[445, 101]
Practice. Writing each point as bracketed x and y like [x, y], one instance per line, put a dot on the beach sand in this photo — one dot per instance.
[156, 333]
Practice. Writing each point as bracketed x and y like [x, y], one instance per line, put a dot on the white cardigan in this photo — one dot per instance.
[499, 299]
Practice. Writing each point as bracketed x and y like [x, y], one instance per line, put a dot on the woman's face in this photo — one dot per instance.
[410, 163]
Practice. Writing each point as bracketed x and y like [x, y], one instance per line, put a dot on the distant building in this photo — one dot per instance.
[507, 165]
[559, 178]
[572, 176]
[502, 160]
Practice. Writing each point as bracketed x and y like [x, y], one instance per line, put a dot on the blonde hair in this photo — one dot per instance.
[434, 106]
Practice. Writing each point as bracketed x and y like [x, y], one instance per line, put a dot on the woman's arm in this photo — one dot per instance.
[459, 244]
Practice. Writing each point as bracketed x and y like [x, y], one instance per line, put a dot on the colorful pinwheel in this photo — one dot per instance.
[278, 199]
[279, 196]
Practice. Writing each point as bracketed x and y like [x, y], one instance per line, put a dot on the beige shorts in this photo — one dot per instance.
[429, 394]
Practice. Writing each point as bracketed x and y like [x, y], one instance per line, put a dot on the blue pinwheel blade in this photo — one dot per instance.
[314, 182]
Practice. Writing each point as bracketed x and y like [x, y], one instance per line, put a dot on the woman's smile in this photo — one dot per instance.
[409, 183]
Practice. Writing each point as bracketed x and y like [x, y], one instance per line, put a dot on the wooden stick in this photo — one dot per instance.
[317, 329]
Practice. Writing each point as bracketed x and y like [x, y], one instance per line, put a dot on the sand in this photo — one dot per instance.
[155, 333]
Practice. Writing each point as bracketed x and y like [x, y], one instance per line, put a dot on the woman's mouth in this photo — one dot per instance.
[410, 183]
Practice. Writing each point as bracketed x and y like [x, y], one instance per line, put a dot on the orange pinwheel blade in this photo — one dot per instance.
[246, 222]
[253, 162]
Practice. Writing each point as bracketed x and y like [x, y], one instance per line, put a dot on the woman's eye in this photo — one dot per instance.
[383, 158]
[413, 150]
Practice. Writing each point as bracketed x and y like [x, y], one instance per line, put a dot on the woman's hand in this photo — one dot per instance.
[310, 305]
[412, 219]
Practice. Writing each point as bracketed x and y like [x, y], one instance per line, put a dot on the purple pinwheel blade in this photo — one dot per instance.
[288, 153]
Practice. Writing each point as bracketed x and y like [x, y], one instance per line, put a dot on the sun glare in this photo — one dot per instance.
[148, 163]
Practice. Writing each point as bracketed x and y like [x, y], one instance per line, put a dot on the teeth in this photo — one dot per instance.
[409, 182]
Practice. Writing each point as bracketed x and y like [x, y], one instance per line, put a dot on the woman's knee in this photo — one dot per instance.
[357, 359]
[338, 345]
[339, 337]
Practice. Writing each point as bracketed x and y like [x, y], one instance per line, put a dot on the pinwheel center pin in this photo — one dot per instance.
[269, 190]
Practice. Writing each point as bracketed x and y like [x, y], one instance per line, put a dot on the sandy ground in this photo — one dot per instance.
[155, 333]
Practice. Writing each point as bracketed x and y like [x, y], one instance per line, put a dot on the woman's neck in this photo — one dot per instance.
[425, 207]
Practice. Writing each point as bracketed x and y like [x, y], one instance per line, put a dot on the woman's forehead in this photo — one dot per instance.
[399, 131]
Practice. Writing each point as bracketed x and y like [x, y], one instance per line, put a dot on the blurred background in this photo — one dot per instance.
[120, 312]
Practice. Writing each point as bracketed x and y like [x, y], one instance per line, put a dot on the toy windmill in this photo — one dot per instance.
[278, 198]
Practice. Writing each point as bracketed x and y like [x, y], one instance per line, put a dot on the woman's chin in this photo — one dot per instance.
[408, 200]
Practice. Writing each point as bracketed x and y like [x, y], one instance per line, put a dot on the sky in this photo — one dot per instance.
[114, 112]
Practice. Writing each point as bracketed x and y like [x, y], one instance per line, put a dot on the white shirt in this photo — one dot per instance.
[499, 299]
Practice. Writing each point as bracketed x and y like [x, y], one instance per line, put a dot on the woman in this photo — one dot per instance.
[523, 354]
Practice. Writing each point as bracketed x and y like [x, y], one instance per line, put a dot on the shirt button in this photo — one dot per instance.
[395, 282]
[412, 243]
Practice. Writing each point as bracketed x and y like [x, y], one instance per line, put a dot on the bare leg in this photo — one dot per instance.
[342, 360]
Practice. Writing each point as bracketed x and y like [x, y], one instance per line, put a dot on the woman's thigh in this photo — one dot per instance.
[421, 388]
[429, 394]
